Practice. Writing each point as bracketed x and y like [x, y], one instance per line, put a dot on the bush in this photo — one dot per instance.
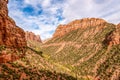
[2, 47]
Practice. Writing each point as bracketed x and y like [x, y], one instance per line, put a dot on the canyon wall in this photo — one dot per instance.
[83, 24]
[12, 37]
[10, 34]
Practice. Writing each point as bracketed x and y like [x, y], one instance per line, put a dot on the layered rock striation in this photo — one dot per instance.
[112, 38]
[83, 24]
[10, 34]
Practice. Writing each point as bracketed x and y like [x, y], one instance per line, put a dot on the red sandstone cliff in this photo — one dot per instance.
[32, 37]
[12, 37]
[83, 24]
[112, 39]
[10, 34]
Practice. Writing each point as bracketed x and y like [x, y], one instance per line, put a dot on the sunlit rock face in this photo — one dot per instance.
[12, 37]
[10, 34]
[83, 24]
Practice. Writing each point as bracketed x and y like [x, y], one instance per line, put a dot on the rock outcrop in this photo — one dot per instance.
[114, 37]
[30, 36]
[10, 34]
[83, 24]
[6, 57]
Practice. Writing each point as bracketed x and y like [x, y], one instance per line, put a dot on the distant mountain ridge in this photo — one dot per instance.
[32, 37]
[82, 24]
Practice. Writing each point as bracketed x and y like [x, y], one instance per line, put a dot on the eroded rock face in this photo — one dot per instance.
[32, 37]
[10, 34]
[3, 7]
[83, 24]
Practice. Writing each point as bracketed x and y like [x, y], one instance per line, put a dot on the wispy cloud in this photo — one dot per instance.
[43, 16]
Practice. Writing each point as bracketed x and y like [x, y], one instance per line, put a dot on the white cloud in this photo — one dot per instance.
[47, 20]
[46, 3]
[77, 9]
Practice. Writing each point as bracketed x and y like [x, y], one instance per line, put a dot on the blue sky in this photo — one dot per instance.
[43, 16]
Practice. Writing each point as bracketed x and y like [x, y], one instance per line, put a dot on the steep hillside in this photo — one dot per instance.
[32, 67]
[90, 51]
